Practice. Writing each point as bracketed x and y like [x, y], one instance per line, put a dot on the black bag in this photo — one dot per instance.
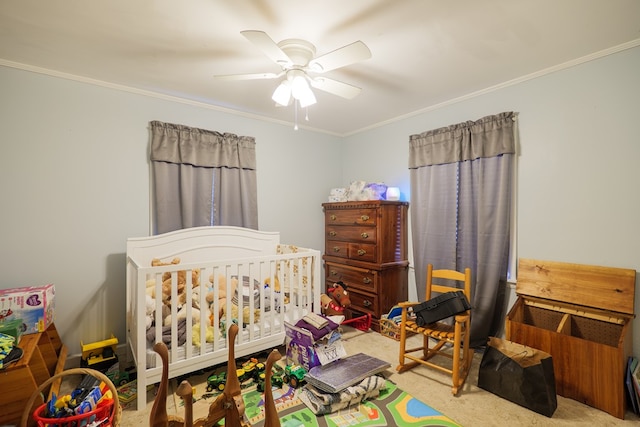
[441, 307]
[521, 374]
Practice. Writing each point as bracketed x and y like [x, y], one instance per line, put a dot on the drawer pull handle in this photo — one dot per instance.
[333, 217]
[367, 303]
[362, 252]
[366, 280]
[365, 217]
[334, 273]
[336, 249]
[365, 235]
[332, 233]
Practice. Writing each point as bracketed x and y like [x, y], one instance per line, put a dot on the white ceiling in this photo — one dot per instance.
[424, 52]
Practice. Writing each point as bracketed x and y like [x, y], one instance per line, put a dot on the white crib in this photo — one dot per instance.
[246, 265]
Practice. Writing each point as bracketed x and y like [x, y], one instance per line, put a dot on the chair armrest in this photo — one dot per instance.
[463, 317]
[407, 304]
[405, 311]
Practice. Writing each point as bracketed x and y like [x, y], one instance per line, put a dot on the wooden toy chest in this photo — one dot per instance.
[581, 315]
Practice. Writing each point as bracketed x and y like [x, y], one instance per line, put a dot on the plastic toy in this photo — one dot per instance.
[253, 368]
[100, 355]
[216, 381]
[294, 375]
[119, 377]
[277, 378]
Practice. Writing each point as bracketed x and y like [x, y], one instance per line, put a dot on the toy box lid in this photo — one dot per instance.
[604, 288]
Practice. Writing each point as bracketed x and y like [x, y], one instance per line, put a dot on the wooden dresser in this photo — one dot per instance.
[366, 248]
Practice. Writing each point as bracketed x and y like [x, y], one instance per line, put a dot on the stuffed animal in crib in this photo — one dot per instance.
[182, 314]
[182, 274]
[278, 298]
[335, 300]
[195, 298]
[222, 301]
[209, 335]
[166, 279]
[246, 314]
[166, 287]
[222, 293]
[150, 304]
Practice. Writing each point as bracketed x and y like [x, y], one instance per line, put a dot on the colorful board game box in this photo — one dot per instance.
[33, 305]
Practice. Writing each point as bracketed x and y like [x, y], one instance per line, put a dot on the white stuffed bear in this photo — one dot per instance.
[182, 314]
[150, 304]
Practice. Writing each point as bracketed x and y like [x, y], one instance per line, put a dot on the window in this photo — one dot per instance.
[201, 177]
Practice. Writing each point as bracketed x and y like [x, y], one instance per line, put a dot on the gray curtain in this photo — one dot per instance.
[461, 190]
[202, 177]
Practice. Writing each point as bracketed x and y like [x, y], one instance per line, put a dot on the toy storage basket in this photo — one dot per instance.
[112, 411]
[389, 329]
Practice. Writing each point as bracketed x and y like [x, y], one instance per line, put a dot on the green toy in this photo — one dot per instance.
[294, 375]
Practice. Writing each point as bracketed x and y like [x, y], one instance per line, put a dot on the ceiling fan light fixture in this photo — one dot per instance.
[307, 99]
[297, 59]
[282, 94]
[299, 85]
[301, 91]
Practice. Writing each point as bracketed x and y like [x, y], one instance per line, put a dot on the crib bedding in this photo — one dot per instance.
[196, 349]
[224, 275]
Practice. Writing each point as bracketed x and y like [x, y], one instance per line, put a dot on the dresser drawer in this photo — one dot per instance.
[338, 249]
[361, 252]
[366, 280]
[366, 253]
[365, 303]
[351, 234]
[365, 216]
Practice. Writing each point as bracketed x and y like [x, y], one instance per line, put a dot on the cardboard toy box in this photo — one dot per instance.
[32, 305]
[303, 350]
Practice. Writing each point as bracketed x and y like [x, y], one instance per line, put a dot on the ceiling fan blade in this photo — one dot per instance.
[267, 46]
[256, 76]
[335, 87]
[346, 55]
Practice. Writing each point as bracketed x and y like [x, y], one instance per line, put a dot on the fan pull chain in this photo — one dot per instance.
[295, 109]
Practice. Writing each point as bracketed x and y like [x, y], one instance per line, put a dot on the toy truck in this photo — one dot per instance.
[277, 378]
[120, 377]
[217, 381]
[100, 355]
[294, 375]
[252, 369]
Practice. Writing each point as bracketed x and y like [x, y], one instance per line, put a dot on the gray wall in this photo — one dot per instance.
[74, 176]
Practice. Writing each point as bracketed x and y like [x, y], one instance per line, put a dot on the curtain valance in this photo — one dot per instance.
[200, 147]
[488, 137]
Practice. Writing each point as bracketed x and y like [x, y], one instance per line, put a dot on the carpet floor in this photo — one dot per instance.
[472, 407]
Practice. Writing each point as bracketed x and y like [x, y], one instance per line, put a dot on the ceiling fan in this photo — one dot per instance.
[302, 68]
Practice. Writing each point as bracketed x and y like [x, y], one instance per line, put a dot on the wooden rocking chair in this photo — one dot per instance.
[441, 332]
